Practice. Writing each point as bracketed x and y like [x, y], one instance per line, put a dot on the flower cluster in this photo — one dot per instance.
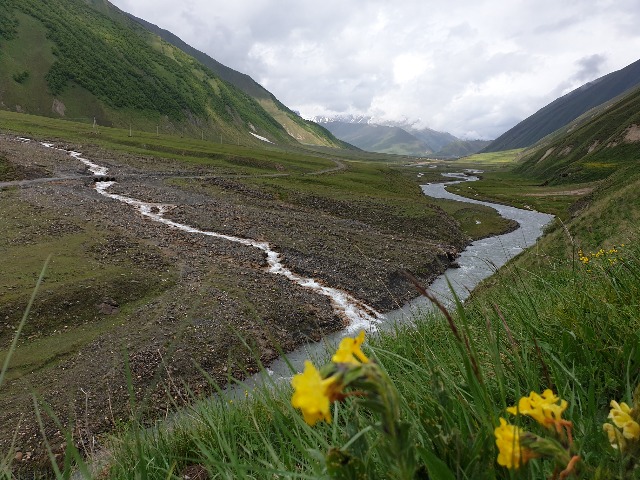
[546, 409]
[512, 452]
[352, 374]
[624, 427]
[609, 255]
[516, 446]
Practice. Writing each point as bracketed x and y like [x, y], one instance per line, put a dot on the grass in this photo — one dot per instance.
[523, 192]
[33, 55]
[227, 156]
[490, 159]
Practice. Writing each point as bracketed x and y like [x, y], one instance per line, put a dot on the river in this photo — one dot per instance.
[478, 261]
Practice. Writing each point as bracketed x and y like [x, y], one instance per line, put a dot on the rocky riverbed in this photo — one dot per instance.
[188, 309]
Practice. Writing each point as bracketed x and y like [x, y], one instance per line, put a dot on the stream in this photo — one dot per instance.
[477, 262]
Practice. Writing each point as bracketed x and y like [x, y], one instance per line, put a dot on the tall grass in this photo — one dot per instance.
[572, 327]
[5, 460]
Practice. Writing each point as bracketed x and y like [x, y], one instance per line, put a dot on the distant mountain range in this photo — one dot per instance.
[397, 138]
[567, 108]
[85, 59]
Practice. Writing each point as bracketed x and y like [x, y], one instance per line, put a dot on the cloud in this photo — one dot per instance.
[590, 67]
[468, 67]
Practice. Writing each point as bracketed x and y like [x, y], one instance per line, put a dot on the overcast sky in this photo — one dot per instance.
[473, 68]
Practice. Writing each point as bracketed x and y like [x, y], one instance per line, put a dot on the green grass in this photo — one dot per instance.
[524, 192]
[228, 157]
[64, 317]
[33, 55]
[490, 159]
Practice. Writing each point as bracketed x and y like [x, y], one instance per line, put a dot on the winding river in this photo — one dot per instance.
[478, 261]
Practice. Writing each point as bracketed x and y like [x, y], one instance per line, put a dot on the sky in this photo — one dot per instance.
[473, 68]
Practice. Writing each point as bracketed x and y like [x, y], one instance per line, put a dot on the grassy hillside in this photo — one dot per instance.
[592, 150]
[563, 110]
[65, 59]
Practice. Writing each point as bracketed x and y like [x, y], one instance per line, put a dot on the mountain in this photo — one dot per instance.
[378, 138]
[82, 60]
[567, 108]
[592, 147]
[436, 140]
[463, 148]
[398, 138]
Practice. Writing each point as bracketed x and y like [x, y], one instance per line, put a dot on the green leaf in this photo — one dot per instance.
[436, 467]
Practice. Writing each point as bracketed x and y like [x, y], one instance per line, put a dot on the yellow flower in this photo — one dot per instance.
[313, 394]
[544, 408]
[510, 453]
[583, 258]
[616, 439]
[620, 414]
[349, 351]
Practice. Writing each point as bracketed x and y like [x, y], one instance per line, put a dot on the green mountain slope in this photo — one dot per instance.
[592, 147]
[378, 138]
[567, 108]
[462, 148]
[84, 60]
[299, 128]
[436, 140]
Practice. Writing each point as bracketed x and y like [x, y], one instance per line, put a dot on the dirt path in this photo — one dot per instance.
[575, 192]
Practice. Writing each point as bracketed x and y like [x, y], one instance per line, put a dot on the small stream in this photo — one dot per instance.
[478, 261]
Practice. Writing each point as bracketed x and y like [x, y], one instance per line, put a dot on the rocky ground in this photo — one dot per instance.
[194, 309]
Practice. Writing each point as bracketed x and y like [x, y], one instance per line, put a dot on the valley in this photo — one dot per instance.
[170, 229]
[174, 305]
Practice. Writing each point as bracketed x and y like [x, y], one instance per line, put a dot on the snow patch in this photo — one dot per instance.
[261, 138]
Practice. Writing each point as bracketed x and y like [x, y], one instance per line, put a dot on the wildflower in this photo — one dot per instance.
[582, 257]
[620, 414]
[313, 394]
[616, 439]
[349, 351]
[544, 408]
[511, 453]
